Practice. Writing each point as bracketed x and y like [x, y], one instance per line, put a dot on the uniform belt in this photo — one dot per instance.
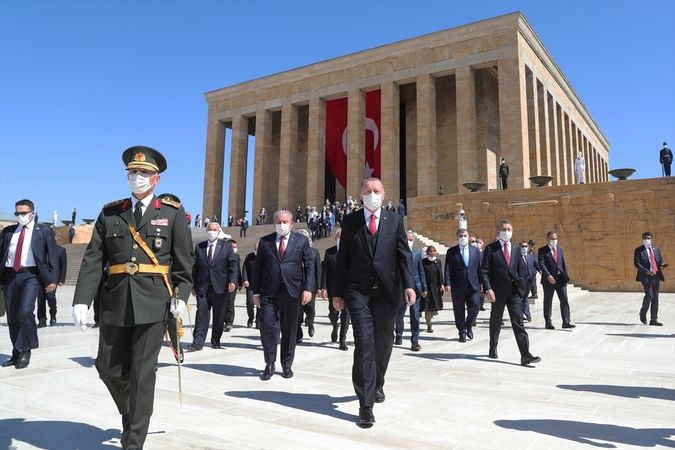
[132, 268]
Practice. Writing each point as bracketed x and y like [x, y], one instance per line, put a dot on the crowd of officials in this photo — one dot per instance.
[141, 252]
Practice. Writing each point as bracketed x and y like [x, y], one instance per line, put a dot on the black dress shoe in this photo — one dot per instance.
[10, 362]
[379, 395]
[398, 341]
[343, 346]
[215, 345]
[568, 325]
[23, 361]
[287, 373]
[196, 347]
[228, 327]
[469, 334]
[334, 334]
[416, 347]
[655, 322]
[643, 318]
[462, 337]
[366, 417]
[52, 321]
[429, 329]
[310, 330]
[249, 324]
[549, 326]
[42, 323]
[529, 359]
[493, 354]
[298, 340]
[268, 372]
[528, 318]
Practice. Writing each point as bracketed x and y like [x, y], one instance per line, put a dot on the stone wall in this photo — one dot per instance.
[599, 225]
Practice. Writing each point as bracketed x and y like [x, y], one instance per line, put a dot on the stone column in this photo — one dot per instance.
[316, 151]
[287, 150]
[465, 87]
[554, 140]
[426, 135]
[238, 157]
[533, 125]
[356, 142]
[263, 137]
[389, 138]
[513, 120]
[544, 144]
[214, 167]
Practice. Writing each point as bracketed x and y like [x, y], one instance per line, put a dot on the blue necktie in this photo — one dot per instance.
[465, 255]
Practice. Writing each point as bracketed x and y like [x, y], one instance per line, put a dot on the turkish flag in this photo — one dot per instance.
[372, 128]
[336, 138]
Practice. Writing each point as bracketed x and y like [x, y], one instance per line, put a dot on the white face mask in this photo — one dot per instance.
[24, 219]
[139, 183]
[372, 201]
[505, 235]
[553, 242]
[410, 244]
[523, 251]
[282, 229]
[463, 240]
[212, 235]
[647, 242]
[474, 244]
[431, 258]
[235, 249]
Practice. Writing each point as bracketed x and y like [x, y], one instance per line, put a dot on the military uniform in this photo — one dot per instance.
[134, 299]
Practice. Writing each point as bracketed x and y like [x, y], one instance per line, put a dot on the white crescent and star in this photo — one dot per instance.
[369, 125]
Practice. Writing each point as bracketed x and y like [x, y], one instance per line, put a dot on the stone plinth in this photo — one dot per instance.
[599, 225]
[82, 234]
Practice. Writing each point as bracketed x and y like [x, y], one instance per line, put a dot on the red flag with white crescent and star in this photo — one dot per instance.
[336, 138]
[372, 129]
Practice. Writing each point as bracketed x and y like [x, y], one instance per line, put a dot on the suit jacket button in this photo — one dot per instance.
[135, 246]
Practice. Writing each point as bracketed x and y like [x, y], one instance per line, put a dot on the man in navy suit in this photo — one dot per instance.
[531, 267]
[28, 251]
[310, 308]
[283, 278]
[504, 281]
[420, 291]
[554, 278]
[246, 279]
[462, 281]
[329, 265]
[50, 298]
[649, 265]
[374, 265]
[215, 272]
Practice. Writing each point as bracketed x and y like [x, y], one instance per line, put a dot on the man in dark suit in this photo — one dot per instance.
[504, 281]
[420, 291]
[329, 265]
[310, 308]
[462, 281]
[504, 174]
[283, 278]
[649, 264]
[530, 265]
[232, 296]
[215, 277]
[49, 298]
[28, 251]
[145, 242]
[554, 278]
[246, 281]
[374, 265]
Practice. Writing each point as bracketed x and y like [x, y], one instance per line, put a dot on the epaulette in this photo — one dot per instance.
[168, 201]
[115, 203]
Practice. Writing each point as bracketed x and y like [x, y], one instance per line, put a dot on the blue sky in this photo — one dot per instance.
[82, 81]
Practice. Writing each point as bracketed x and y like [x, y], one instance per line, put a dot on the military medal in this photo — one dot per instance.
[158, 243]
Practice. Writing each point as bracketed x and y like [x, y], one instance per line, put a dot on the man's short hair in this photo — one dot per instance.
[369, 179]
[548, 235]
[431, 248]
[282, 212]
[504, 222]
[25, 202]
[647, 234]
[213, 222]
[460, 231]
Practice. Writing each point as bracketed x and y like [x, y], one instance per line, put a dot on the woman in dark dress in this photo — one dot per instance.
[433, 301]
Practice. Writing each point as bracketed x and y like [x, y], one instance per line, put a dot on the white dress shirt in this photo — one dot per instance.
[144, 203]
[367, 214]
[26, 256]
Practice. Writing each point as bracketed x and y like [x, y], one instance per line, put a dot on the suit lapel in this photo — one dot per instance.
[128, 214]
[362, 233]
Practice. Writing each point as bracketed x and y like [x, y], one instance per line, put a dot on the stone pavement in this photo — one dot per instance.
[608, 383]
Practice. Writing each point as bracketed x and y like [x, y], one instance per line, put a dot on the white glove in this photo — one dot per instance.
[80, 316]
[177, 307]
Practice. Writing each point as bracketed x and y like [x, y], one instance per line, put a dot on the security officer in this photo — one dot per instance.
[146, 244]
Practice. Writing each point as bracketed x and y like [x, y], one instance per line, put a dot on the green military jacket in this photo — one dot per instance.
[128, 300]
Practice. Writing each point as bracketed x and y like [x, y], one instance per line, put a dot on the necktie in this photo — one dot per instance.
[210, 256]
[465, 256]
[651, 259]
[507, 256]
[138, 213]
[555, 255]
[16, 265]
[372, 227]
[282, 247]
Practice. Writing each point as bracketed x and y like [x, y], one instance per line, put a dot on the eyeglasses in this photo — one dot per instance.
[17, 213]
[524, 246]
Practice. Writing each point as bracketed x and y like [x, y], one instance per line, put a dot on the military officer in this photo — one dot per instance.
[146, 244]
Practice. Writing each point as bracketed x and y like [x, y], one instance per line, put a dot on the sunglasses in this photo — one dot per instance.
[17, 214]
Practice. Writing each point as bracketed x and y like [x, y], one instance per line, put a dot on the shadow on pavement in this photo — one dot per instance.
[220, 369]
[56, 435]
[623, 391]
[451, 356]
[84, 361]
[314, 403]
[641, 335]
[595, 434]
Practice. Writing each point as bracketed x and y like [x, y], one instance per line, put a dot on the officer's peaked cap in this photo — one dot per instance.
[141, 157]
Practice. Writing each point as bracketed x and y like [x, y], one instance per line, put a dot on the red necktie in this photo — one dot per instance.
[651, 259]
[507, 256]
[372, 227]
[555, 255]
[210, 258]
[16, 265]
[282, 247]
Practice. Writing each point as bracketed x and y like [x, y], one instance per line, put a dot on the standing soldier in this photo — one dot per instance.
[146, 244]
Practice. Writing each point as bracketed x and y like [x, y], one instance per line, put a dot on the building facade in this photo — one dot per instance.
[448, 106]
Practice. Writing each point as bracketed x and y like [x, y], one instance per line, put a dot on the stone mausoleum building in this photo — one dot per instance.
[428, 114]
